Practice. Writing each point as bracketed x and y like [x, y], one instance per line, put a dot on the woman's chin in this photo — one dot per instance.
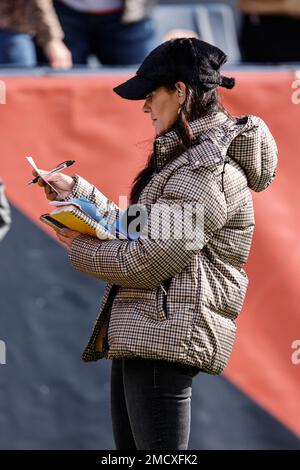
[156, 129]
[159, 130]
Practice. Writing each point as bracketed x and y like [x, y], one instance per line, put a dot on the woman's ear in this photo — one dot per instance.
[181, 91]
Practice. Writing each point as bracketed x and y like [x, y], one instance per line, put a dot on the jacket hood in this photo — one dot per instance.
[255, 151]
[247, 141]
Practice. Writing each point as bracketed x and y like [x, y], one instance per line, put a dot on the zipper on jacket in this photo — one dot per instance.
[105, 345]
[155, 163]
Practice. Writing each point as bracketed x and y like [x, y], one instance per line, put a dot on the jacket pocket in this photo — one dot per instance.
[162, 298]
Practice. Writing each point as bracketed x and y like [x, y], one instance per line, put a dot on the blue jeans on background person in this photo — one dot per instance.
[105, 36]
[151, 404]
[16, 49]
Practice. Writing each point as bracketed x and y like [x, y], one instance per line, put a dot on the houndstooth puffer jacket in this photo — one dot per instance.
[169, 297]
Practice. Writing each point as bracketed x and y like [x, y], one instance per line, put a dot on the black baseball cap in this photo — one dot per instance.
[189, 60]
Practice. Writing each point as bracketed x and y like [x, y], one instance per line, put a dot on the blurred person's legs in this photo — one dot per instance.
[17, 49]
[104, 35]
[151, 404]
[270, 38]
[77, 31]
[117, 43]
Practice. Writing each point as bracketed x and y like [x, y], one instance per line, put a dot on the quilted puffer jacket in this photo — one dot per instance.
[169, 297]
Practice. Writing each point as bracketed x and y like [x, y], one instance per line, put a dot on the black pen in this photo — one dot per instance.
[58, 168]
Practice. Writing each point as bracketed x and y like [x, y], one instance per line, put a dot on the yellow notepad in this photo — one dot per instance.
[70, 216]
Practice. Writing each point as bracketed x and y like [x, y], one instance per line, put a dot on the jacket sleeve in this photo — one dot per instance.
[191, 209]
[45, 22]
[5, 219]
[106, 207]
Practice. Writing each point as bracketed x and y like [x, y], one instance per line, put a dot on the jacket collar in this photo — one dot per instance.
[165, 146]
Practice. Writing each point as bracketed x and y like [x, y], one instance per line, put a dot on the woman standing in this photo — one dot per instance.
[171, 302]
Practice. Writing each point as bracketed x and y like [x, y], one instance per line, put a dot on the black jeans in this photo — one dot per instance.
[151, 404]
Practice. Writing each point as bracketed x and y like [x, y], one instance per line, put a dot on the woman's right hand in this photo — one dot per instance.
[63, 183]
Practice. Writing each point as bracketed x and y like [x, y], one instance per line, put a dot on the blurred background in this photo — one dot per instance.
[59, 61]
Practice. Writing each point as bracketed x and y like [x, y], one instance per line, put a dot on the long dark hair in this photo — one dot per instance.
[199, 103]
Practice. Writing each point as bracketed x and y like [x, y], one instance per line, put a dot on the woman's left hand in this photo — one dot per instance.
[67, 236]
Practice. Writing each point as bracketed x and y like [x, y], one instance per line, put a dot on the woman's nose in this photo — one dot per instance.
[146, 108]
